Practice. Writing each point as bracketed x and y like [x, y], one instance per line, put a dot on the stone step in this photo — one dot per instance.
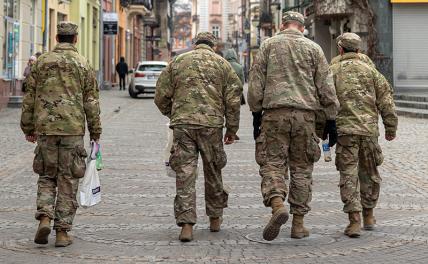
[411, 97]
[15, 102]
[411, 104]
[412, 112]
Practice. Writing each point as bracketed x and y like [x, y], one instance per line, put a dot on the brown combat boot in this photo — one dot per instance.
[354, 227]
[297, 229]
[186, 234]
[368, 218]
[215, 223]
[63, 239]
[43, 231]
[279, 217]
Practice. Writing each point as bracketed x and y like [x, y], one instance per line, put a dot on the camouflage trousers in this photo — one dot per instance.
[187, 145]
[357, 158]
[60, 162]
[288, 140]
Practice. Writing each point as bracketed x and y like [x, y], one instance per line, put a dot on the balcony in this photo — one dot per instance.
[332, 8]
[146, 3]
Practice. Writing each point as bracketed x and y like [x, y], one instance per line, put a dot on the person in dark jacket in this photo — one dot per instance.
[122, 70]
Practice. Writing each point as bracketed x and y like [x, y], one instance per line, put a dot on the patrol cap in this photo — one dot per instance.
[350, 41]
[206, 36]
[293, 16]
[66, 28]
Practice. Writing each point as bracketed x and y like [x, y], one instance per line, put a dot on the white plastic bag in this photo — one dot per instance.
[167, 154]
[89, 187]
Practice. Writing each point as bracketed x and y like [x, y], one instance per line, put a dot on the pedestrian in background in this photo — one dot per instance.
[27, 71]
[199, 92]
[122, 70]
[289, 81]
[62, 93]
[363, 93]
[231, 56]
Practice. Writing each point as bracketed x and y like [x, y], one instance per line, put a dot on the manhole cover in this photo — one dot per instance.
[284, 238]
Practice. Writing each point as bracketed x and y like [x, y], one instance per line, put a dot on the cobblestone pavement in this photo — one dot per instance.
[135, 223]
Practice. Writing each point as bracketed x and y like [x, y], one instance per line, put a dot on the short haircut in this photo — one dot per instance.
[291, 22]
[347, 50]
[206, 42]
[66, 38]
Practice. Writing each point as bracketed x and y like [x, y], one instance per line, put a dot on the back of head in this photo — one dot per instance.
[292, 19]
[67, 32]
[206, 38]
[349, 42]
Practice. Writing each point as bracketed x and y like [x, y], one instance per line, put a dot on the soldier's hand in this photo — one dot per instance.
[330, 132]
[257, 122]
[390, 136]
[95, 137]
[229, 139]
[31, 138]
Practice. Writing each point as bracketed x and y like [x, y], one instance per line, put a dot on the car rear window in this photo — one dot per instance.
[151, 67]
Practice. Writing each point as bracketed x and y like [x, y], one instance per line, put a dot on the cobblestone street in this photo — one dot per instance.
[135, 224]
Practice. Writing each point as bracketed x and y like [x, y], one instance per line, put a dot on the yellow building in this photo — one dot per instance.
[57, 11]
[85, 13]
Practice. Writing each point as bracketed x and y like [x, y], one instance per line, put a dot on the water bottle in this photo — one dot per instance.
[326, 151]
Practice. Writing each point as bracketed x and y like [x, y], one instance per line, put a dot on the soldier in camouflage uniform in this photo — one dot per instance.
[363, 57]
[363, 93]
[61, 93]
[199, 92]
[289, 81]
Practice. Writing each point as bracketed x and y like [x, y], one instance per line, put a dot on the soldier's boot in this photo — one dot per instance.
[43, 230]
[354, 227]
[186, 234]
[297, 229]
[63, 239]
[368, 219]
[215, 223]
[279, 217]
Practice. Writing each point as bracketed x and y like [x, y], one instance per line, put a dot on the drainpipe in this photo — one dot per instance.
[101, 47]
[45, 33]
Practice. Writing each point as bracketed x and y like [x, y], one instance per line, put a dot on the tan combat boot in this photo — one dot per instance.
[43, 231]
[186, 234]
[62, 239]
[279, 217]
[354, 227]
[368, 218]
[297, 229]
[215, 223]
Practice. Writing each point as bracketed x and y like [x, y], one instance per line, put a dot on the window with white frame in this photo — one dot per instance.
[216, 30]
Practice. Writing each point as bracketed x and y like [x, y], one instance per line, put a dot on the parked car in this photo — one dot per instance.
[145, 76]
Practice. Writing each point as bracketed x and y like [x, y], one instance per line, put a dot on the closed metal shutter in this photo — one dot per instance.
[410, 34]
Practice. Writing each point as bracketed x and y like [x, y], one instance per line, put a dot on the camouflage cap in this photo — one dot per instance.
[293, 16]
[207, 36]
[349, 41]
[66, 28]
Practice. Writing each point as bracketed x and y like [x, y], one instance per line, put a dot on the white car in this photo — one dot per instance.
[145, 76]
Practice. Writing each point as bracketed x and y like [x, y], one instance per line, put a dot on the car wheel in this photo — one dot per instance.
[132, 93]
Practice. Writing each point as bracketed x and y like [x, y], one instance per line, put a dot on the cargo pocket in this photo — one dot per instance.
[313, 153]
[173, 156]
[377, 153]
[338, 160]
[261, 150]
[38, 163]
[221, 157]
[78, 164]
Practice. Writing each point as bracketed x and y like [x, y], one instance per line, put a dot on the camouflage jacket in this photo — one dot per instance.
[363, 93]
[61, 92]
[291, 71]
[200, 88]
[363, 57]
